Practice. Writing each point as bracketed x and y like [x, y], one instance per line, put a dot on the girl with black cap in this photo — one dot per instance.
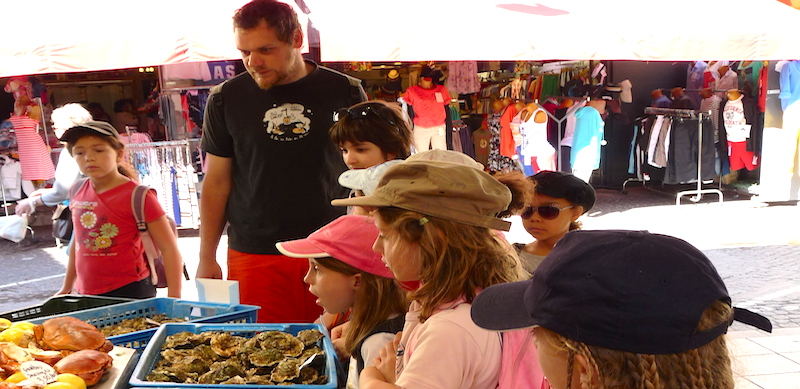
[622, 309]
[560, 199]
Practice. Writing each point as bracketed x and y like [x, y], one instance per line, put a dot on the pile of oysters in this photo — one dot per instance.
[219, 357]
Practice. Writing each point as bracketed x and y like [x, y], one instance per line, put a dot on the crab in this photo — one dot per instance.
[70, 334]
[87, 364]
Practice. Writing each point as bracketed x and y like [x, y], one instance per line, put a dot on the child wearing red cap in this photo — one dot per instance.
[346, 274]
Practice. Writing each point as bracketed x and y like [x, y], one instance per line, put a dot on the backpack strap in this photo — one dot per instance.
[137, 205]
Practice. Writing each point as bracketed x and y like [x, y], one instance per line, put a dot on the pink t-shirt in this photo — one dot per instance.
[471, 354]
[428, 104]
[108, 249]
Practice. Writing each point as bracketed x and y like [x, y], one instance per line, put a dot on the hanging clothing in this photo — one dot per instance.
[751, 118]
[463, 77]
[496, 161]
[34, 156]
[683, 151]
[507, 143]
[586, 141]
[727, 82]
[712, 104]
[694, 81]
[534, 137]
[790, 84]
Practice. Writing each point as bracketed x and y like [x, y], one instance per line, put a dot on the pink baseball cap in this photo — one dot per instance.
[348, 239]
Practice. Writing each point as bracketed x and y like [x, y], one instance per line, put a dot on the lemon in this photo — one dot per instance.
[12, 335]
[60, 385]
[4, 323]
[17, 377]
[72, 379]
[23, 325]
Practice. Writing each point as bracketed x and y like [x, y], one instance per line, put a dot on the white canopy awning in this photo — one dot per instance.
[55, 36]
[676, 30]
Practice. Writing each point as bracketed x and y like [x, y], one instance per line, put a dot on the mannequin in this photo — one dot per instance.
[726, 80]
[680, 100]
[536, 151]
[429, 101]
[586, 142]
[710, 102]
[659, 100]
[741, 140]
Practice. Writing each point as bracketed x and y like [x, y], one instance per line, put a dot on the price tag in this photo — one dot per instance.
[39, 372]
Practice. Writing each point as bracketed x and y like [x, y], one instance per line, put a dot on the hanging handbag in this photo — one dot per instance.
[62, 223]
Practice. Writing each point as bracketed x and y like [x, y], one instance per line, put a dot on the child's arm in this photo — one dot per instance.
[69, 278]
[381, 374]
[166, 241]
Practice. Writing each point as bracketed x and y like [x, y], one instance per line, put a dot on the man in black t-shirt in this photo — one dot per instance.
[271, 169]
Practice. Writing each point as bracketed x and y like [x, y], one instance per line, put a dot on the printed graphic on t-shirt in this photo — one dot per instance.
[97, 234]
[287, 122]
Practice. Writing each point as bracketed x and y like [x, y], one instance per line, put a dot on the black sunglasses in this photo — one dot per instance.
[547, 212]
[360, 112]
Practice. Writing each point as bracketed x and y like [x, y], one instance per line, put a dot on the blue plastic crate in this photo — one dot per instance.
[151, 353]
[192, 311]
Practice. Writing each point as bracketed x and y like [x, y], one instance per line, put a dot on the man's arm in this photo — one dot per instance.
[213, 200]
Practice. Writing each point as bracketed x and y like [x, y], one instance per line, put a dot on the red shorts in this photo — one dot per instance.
[275, 283]
[739, 157]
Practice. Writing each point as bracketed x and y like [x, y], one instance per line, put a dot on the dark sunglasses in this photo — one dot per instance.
[547, 212]
[361, 112]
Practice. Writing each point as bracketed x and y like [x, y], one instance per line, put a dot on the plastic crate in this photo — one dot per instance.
[151, 353]
[192, 311]
[62, 304]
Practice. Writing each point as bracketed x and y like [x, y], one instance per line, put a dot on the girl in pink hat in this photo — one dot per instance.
[346, 275]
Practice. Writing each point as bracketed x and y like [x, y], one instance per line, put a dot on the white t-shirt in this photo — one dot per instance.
[447, 351]
[736, 128]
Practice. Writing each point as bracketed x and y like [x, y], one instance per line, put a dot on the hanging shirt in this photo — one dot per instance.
[712, 104]
[428, 104]
[736, 127]
[534, 138]
[586, 145]
[728, 81]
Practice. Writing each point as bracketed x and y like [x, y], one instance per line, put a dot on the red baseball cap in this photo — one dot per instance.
[348, 239]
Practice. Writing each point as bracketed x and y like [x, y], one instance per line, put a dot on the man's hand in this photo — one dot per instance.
[208, 269]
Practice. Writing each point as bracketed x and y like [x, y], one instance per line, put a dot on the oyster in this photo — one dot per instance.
[159, 376]
[308, 375]
[172, 355]
[310, 337]
[237, 380]
[265, 357]
[288, 369]
[225, 344]
[220, 372]
[184, 339]
[286, 343]
[191, 364]
[205, 352]
[309, 352]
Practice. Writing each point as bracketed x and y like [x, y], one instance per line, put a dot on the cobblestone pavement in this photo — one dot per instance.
[755, 247]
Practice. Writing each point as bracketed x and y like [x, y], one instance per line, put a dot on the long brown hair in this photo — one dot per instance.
[122, 167]
[706, 367]
[377, 299]
[456, 259]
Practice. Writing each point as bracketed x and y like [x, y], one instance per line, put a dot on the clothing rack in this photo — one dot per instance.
[689, 113]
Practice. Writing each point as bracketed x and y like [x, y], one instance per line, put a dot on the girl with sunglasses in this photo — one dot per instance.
[560, 199]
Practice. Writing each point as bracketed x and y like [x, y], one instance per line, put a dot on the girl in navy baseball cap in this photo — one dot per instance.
[622, 309]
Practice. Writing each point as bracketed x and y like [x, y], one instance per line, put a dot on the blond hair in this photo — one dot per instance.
[456, 259]
[706, 367]
[377, 299]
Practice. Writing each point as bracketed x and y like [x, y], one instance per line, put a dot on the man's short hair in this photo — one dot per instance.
[279, 16]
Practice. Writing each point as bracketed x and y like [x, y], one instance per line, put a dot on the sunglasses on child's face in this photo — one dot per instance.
[547, 212]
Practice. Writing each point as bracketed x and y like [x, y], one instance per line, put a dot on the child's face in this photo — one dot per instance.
[95, 157]
[336, 292]
[550, 230]
[363, 155]
[398, 256]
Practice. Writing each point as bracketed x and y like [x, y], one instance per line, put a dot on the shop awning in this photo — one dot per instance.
[56, 36]
[676, 30]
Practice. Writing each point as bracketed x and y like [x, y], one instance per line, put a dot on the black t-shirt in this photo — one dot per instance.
[285, 168]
